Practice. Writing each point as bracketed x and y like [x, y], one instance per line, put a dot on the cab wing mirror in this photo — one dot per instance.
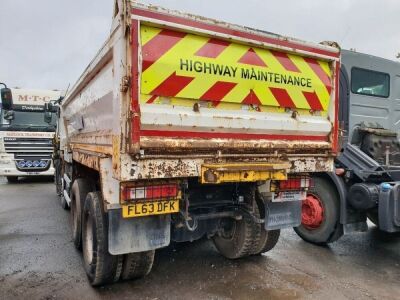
[48, 117]
[50, 107]
[6, 98]
[9, 115]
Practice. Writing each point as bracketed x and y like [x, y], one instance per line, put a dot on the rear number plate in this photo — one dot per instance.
[150, 208]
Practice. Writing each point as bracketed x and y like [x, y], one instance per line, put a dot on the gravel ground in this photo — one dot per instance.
[38, 261]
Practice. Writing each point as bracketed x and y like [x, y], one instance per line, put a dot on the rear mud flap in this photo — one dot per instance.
[280, 215]
[137, 234]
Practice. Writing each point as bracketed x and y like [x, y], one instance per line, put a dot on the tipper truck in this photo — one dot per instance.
[183, 127]
[366, 181]
[26, 133]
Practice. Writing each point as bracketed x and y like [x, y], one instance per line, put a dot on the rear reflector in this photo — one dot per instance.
[149, 192]
[294, 184]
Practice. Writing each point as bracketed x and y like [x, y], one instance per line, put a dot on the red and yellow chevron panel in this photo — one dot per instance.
[186, 66]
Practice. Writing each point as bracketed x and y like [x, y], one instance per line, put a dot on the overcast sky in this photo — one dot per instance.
[48, 43]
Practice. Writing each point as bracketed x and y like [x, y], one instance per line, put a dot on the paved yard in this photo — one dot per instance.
[38, 261]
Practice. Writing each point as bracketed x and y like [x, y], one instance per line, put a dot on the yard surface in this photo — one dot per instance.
[38, 261]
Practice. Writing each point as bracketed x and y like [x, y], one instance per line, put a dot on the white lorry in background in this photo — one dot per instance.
[26, 133]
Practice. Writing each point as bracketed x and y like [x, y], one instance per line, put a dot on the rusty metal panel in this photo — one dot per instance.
[252, 146]
[88, 159]
[109, 185]
[242, 172]
[159, 168]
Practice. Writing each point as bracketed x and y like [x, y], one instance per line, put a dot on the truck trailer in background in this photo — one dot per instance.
[183, 127]
[26, 134]
[366, 181]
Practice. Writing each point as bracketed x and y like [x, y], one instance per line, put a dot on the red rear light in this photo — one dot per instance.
[162, 191]
[149, 192]
[295, 184]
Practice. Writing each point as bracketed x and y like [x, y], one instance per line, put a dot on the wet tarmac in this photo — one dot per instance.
[38, 261]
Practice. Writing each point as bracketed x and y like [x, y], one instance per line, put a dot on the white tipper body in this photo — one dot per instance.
[97, 123]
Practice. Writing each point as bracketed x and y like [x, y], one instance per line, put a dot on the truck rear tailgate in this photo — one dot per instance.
[198, 84]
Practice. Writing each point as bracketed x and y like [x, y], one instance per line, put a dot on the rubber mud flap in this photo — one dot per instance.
[137, 234]
[279, 215]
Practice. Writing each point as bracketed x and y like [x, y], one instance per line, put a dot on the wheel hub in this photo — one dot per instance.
[228, 228]
[312, 212]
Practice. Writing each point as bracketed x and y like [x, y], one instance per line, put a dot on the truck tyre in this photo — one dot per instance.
[12, 179]
[267, 239]
[58, 177]
[237, 238]
[137, 265]
[320, 214]
[101, 267]
[80, 188]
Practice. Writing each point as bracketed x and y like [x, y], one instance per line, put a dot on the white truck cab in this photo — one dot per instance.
[26, 134]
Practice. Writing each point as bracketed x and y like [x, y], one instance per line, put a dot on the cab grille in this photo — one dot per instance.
[30, 153]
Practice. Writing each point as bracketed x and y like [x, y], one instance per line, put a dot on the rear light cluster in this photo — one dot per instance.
[294, 184]
[297, 183]
[153, 192]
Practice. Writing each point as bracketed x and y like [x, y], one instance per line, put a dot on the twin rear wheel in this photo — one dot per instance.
[90, 234]
[245, 237]
[89, 224]
[320, 225]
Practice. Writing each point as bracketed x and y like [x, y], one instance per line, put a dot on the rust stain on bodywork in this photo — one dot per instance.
[243, 146]
[169, 169]
[191, 166]
[88, 159]
[99, 149]
[116, 147]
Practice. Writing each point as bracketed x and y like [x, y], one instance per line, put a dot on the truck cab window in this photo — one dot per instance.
[23, 120]
[370, 83]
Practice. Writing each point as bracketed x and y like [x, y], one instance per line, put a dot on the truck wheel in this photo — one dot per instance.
[101, 267]
[267, 238]
[12, 179]
[58, 177]
[237, 238]
[80, 188]
[320, 214]
[137, 265]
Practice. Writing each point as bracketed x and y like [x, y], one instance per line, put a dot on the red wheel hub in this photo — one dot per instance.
[312, 212]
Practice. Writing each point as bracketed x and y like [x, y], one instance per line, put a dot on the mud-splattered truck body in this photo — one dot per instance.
[183, 127]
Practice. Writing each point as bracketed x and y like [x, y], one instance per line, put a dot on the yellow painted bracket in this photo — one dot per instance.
[243, 172]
